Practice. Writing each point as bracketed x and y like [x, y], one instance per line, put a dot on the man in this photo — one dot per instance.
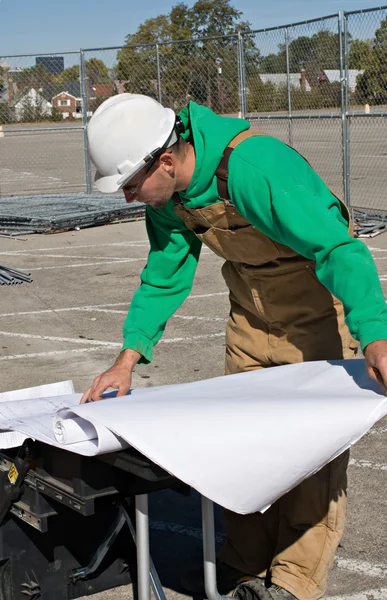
[301, 288]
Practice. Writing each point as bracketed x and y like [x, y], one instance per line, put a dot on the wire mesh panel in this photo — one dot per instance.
[319, 141]
[204, 71]
[278, 128]
[266, 73]
[368, 167]
[41, 141]
[367, 61]
[41, 161]
[40, 88]
[314, 64]
[111, 71]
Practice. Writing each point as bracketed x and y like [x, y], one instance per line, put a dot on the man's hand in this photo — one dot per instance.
[119, 376]
[376, 358]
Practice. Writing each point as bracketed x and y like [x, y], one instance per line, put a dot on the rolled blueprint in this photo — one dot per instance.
[73, 431]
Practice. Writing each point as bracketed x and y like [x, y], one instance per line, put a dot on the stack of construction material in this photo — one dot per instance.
[10, 276]
[63, 212]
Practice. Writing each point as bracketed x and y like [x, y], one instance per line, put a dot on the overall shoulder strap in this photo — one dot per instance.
[222, 173]
[222, 170]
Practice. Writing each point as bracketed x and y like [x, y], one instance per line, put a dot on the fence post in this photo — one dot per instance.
[242, 77]
[290, 123]
[344, 105]
[158, 74]
[88, 184]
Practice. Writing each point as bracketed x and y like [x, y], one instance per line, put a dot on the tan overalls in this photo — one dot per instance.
[280, 314]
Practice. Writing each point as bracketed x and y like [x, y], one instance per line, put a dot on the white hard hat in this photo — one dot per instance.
[125, 133]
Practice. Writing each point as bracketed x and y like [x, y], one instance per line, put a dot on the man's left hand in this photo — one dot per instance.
[376, 357]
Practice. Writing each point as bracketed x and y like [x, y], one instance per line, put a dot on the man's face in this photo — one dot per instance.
[152, 185]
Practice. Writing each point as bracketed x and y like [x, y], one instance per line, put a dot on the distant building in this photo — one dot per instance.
[333, 76]
[52, 64]
[31, 100]
[68, 105]
[297, 80]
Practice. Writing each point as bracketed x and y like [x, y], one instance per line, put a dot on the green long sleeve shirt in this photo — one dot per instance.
[275, 189]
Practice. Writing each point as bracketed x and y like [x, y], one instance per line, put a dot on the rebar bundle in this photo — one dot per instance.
[10, 276]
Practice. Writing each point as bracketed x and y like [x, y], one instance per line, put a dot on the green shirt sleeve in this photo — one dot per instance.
[166, 280]
[282, 196]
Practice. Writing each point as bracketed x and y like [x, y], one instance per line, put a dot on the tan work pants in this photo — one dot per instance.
[282, 317]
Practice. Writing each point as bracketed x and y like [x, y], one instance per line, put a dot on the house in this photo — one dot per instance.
[297, 80]
[68, 105]
[68, 100]
[31, 101]
[333, 76]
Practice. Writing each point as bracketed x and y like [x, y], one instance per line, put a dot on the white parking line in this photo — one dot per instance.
[378, 431]
[52, 338]
[76, 247]
[94, 264]
[368, 464]
[360, 566]
[96, 345]
[53, 353]
[90, 307]
[80, 256]
[380, 594]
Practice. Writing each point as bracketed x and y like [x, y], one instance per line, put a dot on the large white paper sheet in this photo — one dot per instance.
[241, 440]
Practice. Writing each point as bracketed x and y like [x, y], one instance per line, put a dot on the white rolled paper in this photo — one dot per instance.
[74, 431]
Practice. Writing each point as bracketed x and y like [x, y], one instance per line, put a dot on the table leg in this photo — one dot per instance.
[145, 564]
[209, 554]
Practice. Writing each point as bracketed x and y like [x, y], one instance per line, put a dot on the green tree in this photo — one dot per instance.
[71, 74]
[3, 72]
[372, 84]
[359, 54]
[202, 70]
[33, 77]
[97, 71]
[273, 63]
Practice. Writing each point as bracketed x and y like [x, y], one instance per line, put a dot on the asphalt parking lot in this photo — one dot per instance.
[67, 325]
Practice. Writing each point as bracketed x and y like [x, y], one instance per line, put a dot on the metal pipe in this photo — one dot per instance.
[88, 184]
[348, 119]
[286, 117]
[39, 54]
[343, 84]
[155, 582]
[241, 77]
[25, 129]
[365, 10]
[316, 20]
[209, 555]
[290, 124]
[158, 74]
[142, 534]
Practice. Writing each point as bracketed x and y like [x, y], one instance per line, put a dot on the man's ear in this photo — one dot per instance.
[167, 160]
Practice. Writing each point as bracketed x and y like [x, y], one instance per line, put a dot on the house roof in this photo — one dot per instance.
[334, 76]
[278, 79]
[103, 90]
[63, 93]
[32, 93]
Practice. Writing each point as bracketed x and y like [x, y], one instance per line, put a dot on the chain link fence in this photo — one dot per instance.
[320, 86]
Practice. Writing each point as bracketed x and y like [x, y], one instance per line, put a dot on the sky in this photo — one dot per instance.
[45, 26]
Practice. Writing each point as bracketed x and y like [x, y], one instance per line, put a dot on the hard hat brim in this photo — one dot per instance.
[107, 184]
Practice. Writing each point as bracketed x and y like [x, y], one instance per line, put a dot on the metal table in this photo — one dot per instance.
[40, 483]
